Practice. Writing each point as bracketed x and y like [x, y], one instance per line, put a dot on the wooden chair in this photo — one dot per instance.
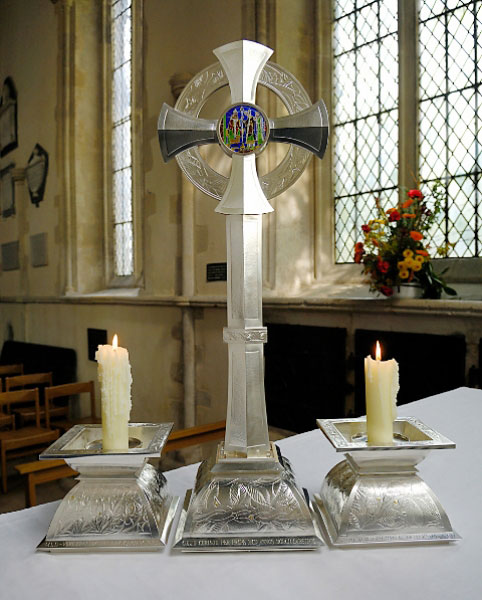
[27, 440]
[5, 371]
[26, 414]
[8, 370]
[64, 391]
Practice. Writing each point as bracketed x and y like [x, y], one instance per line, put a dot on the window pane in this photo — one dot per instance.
[345, 172]
[121, 98]
[124, 249]
[365, 114]
[342, 7]
[343, 38]
[122, 191]
[121, 146]
[121, 39]
[121, 15]
[449, 121]
[344, 87]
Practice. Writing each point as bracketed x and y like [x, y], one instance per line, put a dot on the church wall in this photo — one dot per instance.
[29, 54]
[177, 39]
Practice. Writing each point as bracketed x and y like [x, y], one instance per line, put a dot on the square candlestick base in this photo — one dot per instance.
[121, 502]
[246, 504]
[375, 496]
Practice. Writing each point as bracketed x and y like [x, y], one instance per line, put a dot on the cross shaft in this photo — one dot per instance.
[244, 203]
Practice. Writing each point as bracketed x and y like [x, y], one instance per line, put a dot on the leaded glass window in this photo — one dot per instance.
[450, 127]
[121, 103]
[365, 119]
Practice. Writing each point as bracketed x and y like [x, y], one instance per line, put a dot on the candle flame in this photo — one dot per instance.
[114, 341]
[378, 352]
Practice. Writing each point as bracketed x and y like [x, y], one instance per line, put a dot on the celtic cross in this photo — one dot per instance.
[243, 131]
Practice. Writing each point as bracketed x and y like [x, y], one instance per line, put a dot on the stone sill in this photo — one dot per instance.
[342, 298]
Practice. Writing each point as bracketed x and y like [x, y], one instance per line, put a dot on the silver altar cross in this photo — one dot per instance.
[243, 132]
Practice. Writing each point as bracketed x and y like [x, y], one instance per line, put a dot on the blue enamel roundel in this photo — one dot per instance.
[243, 129]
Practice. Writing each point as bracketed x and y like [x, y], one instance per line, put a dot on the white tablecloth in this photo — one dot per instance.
[452, 571]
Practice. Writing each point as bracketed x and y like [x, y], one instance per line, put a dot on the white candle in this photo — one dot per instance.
[115, 380]
[381, 386]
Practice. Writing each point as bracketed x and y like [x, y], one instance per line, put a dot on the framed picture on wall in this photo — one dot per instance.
[7, 192]
[8, 117]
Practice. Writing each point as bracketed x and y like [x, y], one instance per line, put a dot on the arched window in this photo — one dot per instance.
[124, 135]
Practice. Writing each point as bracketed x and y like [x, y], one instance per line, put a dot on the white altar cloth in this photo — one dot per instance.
[430, 572]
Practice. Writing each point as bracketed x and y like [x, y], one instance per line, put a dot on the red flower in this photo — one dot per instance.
[394, 216]
[359, 252]
[386, 291]
[415, 194]
[383, 266]
[416, 236]
[366, 228]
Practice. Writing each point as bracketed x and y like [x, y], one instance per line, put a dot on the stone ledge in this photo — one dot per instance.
[363, 302]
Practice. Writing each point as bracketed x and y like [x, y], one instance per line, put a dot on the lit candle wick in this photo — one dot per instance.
[114, 342]
[378, 352]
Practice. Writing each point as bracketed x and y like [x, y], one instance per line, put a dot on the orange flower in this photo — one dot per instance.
[408, 216]
[407, 203]
[416, 236]
[421, 252]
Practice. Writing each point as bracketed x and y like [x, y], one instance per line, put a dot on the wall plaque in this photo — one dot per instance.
[7, 192]
[216, 272]
[36, 173]
[10, 256]
[8, 117]
[38, 250]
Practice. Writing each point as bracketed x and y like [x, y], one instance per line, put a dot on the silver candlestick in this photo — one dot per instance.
[375, 496]
[246, 497]
[121, 501]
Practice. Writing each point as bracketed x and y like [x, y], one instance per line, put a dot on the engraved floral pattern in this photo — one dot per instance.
[255, 504]
[396, 504]
[385, 507]
[245, 335]
[101, 509]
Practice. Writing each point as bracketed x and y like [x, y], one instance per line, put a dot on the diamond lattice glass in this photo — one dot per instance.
[365, 136]
[450, 98]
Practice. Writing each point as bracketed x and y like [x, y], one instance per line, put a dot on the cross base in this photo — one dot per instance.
[246, 504]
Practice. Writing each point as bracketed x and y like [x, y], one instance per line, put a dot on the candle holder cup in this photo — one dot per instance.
[375, 495]
[121, 501]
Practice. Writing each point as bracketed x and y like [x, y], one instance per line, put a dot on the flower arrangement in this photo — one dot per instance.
[394, 251]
